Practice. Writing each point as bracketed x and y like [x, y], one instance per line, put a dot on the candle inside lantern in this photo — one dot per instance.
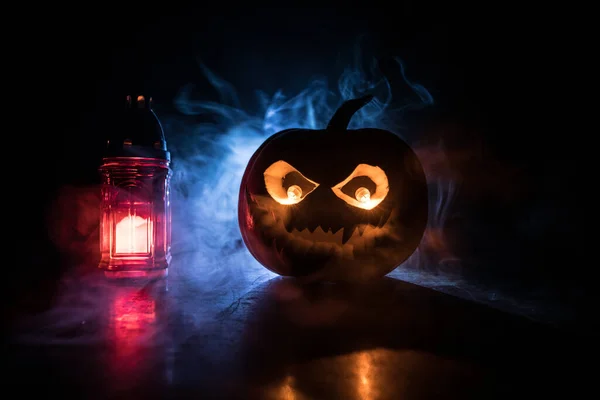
[135, 224]
[133, 235]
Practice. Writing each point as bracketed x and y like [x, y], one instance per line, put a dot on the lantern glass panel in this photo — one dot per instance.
[136, 217]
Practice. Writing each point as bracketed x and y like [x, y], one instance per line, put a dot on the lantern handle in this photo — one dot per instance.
[341, 118]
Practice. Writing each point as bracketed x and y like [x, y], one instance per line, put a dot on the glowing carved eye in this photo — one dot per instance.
[364, 198]
[286, 185]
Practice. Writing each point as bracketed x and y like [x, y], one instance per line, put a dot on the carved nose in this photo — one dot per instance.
[326, 210]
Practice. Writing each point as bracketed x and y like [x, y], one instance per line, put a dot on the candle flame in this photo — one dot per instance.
[294, 192]
[132, 235]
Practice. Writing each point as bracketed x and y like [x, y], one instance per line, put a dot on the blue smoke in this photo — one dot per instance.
[211, 143]
[210, 157]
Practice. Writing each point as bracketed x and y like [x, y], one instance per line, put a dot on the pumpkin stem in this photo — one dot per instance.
[341, 118]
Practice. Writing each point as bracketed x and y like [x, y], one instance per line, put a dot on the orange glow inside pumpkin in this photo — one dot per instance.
[363, 198]
[274, 176]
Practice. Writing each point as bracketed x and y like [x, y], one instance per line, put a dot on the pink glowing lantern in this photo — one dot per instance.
[135, 222]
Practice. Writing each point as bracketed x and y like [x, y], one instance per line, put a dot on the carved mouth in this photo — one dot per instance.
[349, 243]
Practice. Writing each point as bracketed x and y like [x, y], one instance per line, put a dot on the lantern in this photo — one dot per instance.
[135, 222]
[333, 204]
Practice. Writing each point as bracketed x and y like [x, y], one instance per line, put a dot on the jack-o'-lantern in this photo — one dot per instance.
[333, 204]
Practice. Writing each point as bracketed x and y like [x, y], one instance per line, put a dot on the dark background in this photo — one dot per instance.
[496, 74]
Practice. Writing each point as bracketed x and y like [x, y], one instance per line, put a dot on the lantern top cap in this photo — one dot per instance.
[139, 101]
[137, 131]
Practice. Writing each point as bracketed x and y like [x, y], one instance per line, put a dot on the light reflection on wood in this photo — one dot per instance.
[364, 371]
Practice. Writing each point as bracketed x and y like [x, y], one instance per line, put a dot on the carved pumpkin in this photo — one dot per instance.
[333, 204]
